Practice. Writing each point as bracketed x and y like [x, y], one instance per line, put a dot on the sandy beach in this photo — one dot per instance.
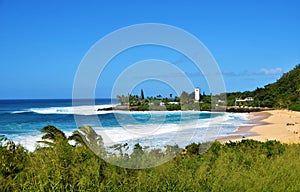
[280, 125]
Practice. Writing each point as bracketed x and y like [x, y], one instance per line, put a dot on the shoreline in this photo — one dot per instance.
[280, 125]
[244, 132]
[229, 109]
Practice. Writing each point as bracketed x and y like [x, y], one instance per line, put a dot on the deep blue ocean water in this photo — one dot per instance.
[21, 121]
[28, 116]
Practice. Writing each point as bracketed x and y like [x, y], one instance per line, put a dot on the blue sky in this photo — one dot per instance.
[43, 42]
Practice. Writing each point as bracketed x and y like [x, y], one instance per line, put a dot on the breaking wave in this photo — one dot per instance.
[75, 110]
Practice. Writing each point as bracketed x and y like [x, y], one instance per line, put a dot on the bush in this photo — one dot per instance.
[247, 165]
[295, 107]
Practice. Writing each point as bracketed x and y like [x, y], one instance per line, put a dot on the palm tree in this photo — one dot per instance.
[52, 135]
[87, 137]
[78, 138]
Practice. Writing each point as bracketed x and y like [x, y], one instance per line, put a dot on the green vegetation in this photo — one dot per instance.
[284, 93]
[295, 107]
[186, 101]
[236, 166]
[140, 103]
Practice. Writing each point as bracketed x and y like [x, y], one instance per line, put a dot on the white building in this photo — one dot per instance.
[245, 100]
[161, 104]
[197, 94]
[248, 99]
[173, 103]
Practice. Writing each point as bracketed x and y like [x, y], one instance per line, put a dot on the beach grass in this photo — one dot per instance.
[246, 165]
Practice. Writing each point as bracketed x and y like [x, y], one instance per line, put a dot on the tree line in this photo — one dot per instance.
[282, 94]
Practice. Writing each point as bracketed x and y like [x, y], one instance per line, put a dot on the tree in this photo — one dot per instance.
[172, 150]
[88, 137]
[282, 93]
[177, 99]
[137, 150]
[52, 135]
[142, 94]
[133, 100]
[184, 97]
[191, 97]
[149, 100]
[119, 147]
[122, 99]
[14, 159]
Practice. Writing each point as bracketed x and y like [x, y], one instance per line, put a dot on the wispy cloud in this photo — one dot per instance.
[262, 71]
[265, 71]
[229, 73]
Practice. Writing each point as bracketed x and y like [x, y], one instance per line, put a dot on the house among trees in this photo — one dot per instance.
[248, 99]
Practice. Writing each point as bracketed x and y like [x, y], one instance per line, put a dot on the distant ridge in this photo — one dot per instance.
[284, 93]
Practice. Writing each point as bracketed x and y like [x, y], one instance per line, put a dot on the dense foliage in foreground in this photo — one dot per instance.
[236, 166]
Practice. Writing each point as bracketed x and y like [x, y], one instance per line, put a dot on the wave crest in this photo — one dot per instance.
[74, 110]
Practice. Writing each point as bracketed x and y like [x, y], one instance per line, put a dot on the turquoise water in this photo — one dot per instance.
[21, 120]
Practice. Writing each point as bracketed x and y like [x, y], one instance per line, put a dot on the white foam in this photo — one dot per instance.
[158, 135]
[28, 141]
[121, 134]
[18, 112]
[76, 110]
[138, 132]
[242, 116]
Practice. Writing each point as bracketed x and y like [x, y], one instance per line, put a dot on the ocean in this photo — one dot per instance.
[21, 121]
